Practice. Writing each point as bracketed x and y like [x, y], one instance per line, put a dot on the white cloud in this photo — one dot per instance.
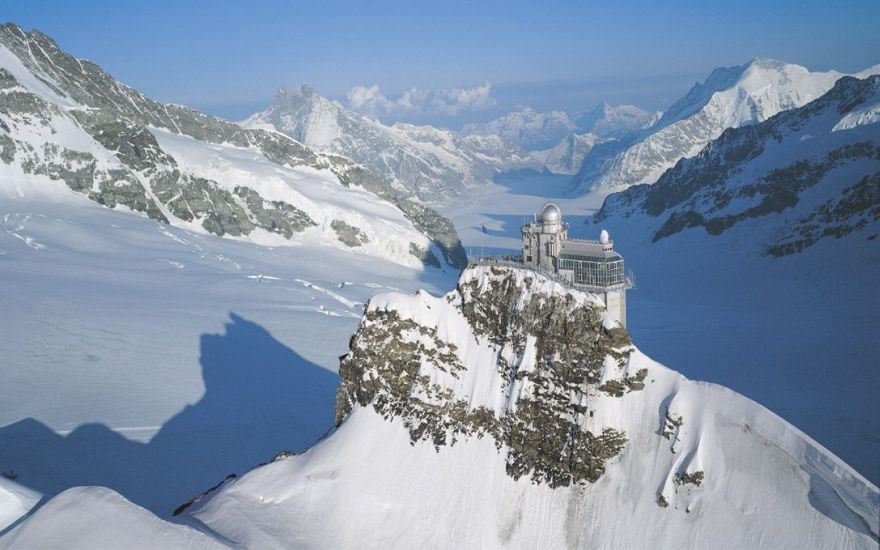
[416, 102]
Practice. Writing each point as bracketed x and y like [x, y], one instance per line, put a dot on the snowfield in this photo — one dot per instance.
[156, 361]
[766, 484]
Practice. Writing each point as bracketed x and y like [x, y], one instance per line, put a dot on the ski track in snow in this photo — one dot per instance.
[334, 295]
[178, 265]
[20, 222]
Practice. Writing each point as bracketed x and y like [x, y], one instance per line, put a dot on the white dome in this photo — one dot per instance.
[604, 237]
[551, 213]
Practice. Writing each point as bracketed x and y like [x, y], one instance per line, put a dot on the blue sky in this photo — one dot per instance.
[228, 58]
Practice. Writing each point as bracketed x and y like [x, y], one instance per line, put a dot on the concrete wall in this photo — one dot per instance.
[615, 302]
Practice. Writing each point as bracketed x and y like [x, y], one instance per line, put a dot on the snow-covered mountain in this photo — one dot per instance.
[729, 98]
[616, 121]
[526, 129]
[806, 174]
[769, 237]
[567, 156]
[515, 401]
[557, 141]
[68, 120]
[428, 163]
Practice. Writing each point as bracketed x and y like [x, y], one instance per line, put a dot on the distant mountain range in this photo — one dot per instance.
[428, 163]
[805, 175]
[435, 165]
[729, 98]
[605, 149]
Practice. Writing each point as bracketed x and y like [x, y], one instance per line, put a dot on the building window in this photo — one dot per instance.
[595, 272]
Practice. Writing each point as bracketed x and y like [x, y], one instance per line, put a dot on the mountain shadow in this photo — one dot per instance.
[260, 397]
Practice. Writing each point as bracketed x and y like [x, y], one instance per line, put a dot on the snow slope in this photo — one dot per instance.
[773, 226]
[374, 484]
[96, 517]
[729, 98]
[699, 465]
[15, 500]
[155, 360]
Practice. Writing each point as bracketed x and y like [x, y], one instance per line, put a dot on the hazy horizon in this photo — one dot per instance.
[460, 63]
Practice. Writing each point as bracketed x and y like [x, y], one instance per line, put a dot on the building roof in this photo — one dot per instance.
[590, 249]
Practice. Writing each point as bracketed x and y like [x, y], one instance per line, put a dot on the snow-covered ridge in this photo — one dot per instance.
[728, 98]
[698, 462]
[68, 120]
[808, 174]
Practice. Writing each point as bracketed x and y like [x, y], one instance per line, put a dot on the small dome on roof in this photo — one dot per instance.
[604, 237]
[551, 213]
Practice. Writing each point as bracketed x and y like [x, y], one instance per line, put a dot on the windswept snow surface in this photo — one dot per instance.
[766, 484]
[96, 517]
[15, 500]
[154, 360]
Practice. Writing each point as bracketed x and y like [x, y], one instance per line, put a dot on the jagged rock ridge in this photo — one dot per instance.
[390, 368]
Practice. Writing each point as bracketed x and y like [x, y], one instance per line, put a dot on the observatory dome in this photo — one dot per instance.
[551, 213]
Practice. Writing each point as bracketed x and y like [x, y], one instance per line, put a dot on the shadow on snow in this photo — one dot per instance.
[260, 397]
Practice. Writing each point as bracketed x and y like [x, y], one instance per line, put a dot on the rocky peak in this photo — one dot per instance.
[541, 354]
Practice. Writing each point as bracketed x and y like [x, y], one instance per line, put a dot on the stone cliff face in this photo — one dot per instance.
[125, 165]
[552, 354]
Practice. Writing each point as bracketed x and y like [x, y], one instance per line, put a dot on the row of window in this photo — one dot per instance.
[597, 272]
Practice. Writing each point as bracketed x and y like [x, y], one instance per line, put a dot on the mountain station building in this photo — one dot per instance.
[593, 266]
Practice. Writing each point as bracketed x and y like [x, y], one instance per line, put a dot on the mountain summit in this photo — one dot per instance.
[728, 98]
[430, 164]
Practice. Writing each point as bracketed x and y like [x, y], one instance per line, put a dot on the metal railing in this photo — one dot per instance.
[516, 262]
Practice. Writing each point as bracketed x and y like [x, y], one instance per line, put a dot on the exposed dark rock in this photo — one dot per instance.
[684, 478]
[349, 235]
[544, 436]
[426, 256]
[857, 205]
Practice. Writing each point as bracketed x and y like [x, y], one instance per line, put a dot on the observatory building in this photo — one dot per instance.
[591, 265]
